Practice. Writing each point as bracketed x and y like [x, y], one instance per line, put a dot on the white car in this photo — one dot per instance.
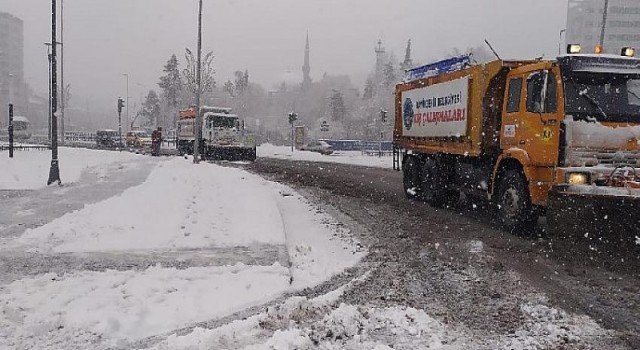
[321, 147]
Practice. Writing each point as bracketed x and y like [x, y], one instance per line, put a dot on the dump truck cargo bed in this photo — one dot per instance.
[454, 113]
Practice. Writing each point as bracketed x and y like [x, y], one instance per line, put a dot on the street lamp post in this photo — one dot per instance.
[49, 114]
[198, 126]
[604, 23]
[48, 45]
[62, 101]
[54, 170]
[10, 88]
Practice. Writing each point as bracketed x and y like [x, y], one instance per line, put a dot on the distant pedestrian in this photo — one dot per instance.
[156, 141]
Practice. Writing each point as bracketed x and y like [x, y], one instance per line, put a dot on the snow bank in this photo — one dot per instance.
[348, 157]
[129, 305]
[315, 241]
[180, 206]
[321, 323]
[326, 323]
[30, 169]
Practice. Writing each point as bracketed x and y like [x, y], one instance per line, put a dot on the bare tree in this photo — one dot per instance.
[208, 82]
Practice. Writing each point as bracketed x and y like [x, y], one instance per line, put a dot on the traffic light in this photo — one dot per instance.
[120, 105]
[383, 115]
[293, 117]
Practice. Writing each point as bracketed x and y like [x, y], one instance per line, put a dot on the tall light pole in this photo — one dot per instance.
[10, 88]
[127, 99]
[604, 23]
[54, 170]
[48, 45]
[62, 101]
[198, 126]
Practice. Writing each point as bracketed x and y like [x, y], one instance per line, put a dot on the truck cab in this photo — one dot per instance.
[572, 120]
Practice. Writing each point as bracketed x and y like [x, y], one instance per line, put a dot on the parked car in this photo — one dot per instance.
[138, 139]
[321, 147]
[107, 139]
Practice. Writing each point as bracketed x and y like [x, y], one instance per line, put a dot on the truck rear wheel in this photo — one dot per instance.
[515, 210]
[437, 185]
[411, 177]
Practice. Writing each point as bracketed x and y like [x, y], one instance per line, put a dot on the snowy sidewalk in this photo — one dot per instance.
[189, 244]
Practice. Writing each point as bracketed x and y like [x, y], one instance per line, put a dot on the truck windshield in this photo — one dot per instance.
[221, 122]
[603, 97]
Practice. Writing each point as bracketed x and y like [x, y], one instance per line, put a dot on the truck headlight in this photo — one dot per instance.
[578, 178]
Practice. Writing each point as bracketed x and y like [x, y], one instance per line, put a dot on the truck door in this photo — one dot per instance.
[531, 119]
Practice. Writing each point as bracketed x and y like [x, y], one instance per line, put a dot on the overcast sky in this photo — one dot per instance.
[106, 38]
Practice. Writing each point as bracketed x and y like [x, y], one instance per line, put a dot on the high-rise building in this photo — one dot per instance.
[621, 29]
[12, 86]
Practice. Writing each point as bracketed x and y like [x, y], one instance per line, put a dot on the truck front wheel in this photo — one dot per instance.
[411, 177]
[515, 210]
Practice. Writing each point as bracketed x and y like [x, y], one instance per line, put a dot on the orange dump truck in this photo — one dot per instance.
[523, 134]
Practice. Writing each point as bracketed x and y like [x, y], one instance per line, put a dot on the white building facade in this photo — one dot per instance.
[12, 85]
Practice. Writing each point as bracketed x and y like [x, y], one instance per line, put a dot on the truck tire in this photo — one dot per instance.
[411, 177]
[515, 210]
[437, 185]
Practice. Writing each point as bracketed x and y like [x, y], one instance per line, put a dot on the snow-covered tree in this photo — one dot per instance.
[337, 107]
[242, 82]
[171, 82]
[151, 110]
[229, 88]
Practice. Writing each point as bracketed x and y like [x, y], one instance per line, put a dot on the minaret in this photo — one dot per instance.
[380, 56]
[306, 69]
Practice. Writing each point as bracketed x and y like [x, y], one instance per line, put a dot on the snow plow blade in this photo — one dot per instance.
[232, 154]
[603, 223]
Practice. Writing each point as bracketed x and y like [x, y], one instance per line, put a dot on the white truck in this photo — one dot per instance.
[223, 135]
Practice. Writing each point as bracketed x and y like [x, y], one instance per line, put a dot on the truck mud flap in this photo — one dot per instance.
[597, 224]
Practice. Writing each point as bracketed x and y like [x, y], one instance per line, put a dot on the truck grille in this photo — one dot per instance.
[586, 157]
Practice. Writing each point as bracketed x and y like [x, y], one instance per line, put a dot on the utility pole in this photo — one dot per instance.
[54, 170]
[49, 114]
[10, 130]
[604, 23]
[198, 126]
[62, 101]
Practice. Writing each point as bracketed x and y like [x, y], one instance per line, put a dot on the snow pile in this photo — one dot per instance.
[321, 323]
[30, 169]
[176, 208]
[182, 213]
[121, 305]
[342, 157]
[548, 328]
